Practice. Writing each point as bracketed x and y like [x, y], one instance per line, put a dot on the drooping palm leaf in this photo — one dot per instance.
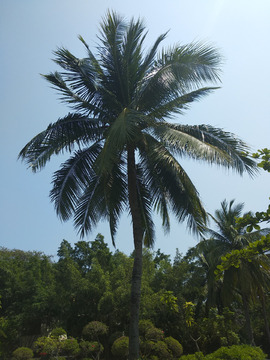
[71, 180]
[63, 135]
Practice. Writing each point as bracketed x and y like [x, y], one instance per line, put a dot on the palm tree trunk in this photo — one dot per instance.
[247, 316]
[134, 346]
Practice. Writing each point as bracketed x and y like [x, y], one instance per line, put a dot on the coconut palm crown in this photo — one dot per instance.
[124, 151]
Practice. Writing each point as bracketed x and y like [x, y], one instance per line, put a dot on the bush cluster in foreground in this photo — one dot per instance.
[153, 346]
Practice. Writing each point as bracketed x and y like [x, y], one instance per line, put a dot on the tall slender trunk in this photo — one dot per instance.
[134, 346]
[247, 316]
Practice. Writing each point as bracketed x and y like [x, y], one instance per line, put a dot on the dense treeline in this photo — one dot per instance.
[90, 283]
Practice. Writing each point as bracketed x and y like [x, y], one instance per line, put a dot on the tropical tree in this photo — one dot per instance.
[124, 150]
[248, 279]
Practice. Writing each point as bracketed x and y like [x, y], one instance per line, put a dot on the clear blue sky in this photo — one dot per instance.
[30, 30]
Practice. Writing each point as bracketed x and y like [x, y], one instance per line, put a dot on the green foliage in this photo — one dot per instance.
[170, 301]
[147, 347]
[47, 345]
[120, 347]
[154, 334]
[67, 303]
[189, 313]
[263, 155]
[235, 257]
[149, 332]
[217, 330]
[94, 329]
[70, 347]
[92, 348]
[250, 222]
[56, 333]
[153, 343]
[237, 352]
[161, 350]
[196, 356]
[144, 327]
[175, 348]
[23, 353]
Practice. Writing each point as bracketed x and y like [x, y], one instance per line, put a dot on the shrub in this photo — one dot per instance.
[196, 356]
[95, 347]
[23, 353]
[94, 329]
[70, 346]
[85, 347]
[174, 346]
[237, 352]
[120, 347]
[234, 352]
[161, 350]
[146, 347]
[154, 334]
[57, 332]
[145, 326]
[46, 345]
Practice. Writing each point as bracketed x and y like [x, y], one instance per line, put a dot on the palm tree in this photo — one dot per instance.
[249, 279]
[124, 151]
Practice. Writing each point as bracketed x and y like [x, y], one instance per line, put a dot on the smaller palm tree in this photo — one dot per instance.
[245, 282]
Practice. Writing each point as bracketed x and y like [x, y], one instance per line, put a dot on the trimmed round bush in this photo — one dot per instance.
[70, 347]
[120, 347]
[234, 352]
[161, 350]
[145, 326]
[174, 346]
[94, 329]
[146, 347]
[196, 356]
[57, 332]
[154, 334]
[237, 352]
[23, 353]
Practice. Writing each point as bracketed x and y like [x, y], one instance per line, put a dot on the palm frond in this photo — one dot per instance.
[63, 135]
[71, 180]
[192, 64]
[73, 98]
[177, 72]
[104, 198]
[123, 131]
[91, 208]
[167, 107]
[204, 142]
[150, 59]
[145, 205]
[168, 180]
